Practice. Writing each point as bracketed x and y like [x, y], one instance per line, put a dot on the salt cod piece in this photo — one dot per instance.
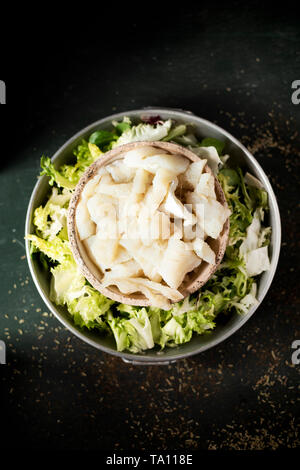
[210, 213]
[85, 226]
[105, 253]
[174, 207]
[204, 251]
[123, 270]
[129, 286]
[158, 190]
[90, 187]
[190, 178]
[206, 186]
[178, 260]
[155, 160]
[120, 172]
[140, 254]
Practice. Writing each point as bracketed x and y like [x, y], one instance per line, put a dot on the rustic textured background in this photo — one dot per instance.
[234, 67]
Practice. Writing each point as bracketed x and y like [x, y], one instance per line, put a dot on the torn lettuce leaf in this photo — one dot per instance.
[67, 176]
[135, 333]
[147, 132]
[51, 220]
[57, 250]
[252, 249]
[175, 133]
[210, 154]
[211, 142]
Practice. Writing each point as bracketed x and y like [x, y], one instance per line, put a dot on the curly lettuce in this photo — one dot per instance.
[143, 131]
[67, 176]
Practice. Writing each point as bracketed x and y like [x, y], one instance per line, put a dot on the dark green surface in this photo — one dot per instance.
[57, 392]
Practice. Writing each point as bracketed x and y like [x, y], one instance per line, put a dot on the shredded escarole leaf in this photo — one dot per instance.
[231, 290]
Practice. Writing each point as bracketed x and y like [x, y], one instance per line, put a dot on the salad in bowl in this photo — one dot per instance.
[230, 291]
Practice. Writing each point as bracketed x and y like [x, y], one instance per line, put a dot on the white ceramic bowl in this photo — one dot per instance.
[239, 156]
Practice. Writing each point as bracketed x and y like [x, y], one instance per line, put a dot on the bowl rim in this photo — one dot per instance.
[160, 359]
